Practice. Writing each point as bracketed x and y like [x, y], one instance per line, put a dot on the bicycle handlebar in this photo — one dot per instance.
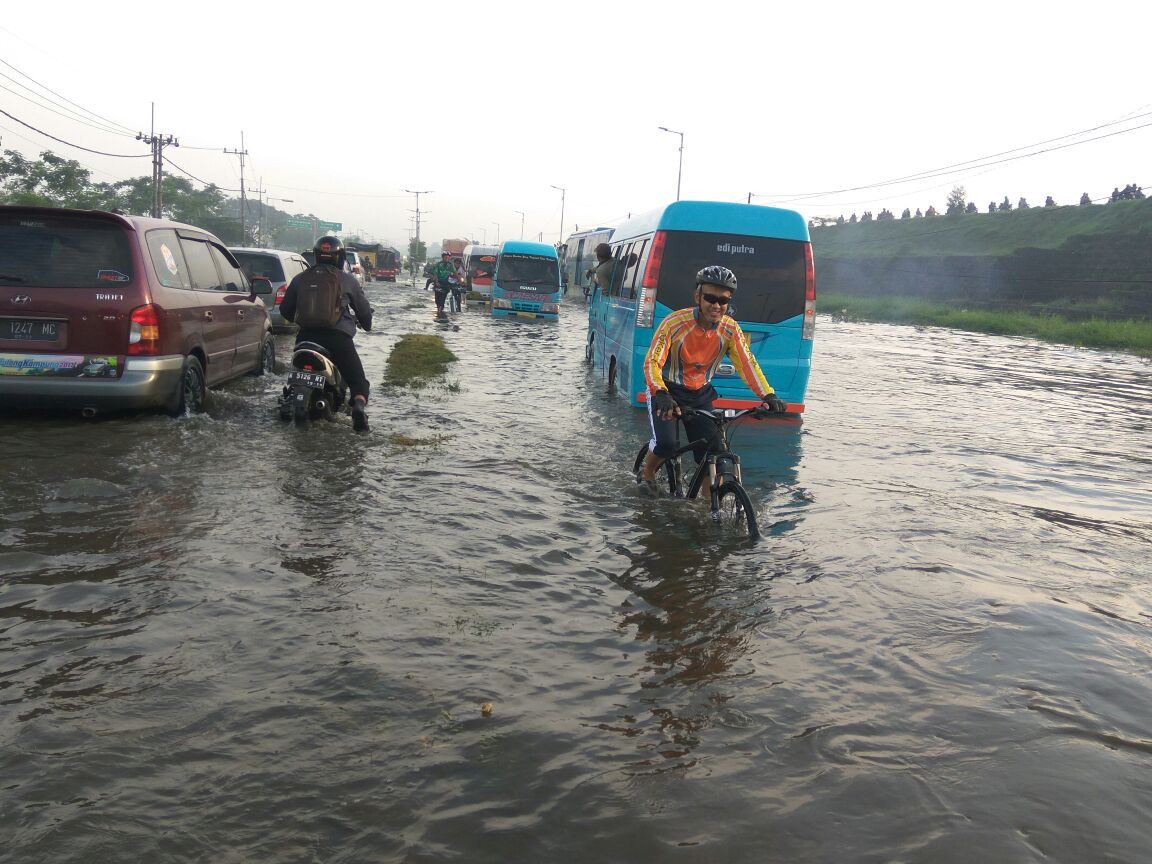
[720, 416]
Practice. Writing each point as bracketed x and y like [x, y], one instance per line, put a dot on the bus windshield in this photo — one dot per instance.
[529, 273]
[769, 273]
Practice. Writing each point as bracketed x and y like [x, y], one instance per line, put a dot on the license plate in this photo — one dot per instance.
[29, 330]
[312, 379]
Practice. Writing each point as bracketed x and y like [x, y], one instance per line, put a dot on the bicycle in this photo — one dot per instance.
[730, 504]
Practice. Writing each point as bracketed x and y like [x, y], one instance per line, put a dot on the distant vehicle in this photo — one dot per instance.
[355, 265]
[454, 248]
[388, 264]
[527, 281]
[580, 255]
[103, 312]
[479, 265]
[279, 267]
[657, 255]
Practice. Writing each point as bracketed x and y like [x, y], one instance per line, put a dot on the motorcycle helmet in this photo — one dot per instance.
[329, 250]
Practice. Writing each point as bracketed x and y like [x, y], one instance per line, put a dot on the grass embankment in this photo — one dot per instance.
[416, 359]
[982, 233]
[1131, 336]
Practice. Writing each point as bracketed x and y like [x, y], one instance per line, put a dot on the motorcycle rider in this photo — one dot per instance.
[445, 273]
[338, 339]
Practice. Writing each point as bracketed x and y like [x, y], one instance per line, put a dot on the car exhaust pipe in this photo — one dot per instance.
[88, 412]
[321, 405]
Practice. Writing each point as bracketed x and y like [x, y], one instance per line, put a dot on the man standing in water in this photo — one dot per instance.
[685, 353]
[445, 273]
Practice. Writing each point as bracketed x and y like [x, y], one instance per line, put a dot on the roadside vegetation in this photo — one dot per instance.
[987, 234]
[1130, 335]
[416, 359]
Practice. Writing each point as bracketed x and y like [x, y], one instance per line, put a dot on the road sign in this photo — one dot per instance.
[331, 226]
[299, 223]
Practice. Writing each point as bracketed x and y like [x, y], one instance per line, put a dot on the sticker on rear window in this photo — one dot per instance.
[169, 259]
[111, 276]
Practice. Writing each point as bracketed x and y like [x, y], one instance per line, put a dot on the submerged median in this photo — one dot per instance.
[417, 359]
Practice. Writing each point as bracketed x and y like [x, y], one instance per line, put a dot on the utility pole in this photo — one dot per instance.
[563, 192]
[521, 212]
[243, 201]
[260, 213]
[157, 143]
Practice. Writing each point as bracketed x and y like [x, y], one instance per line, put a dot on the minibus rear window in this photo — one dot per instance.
[769, 273]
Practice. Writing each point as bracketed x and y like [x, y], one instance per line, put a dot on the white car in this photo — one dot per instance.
[355, 265]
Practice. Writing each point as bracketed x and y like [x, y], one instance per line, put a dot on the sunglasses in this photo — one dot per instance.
[717, 301]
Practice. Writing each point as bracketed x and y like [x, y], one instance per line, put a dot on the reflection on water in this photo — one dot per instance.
[222, 633]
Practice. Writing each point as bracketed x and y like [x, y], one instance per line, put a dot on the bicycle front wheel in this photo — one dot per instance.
[734, 510]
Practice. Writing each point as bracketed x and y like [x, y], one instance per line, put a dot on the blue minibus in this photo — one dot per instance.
[657, 255]
[527, 281]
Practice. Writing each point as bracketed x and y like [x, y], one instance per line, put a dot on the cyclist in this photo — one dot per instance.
[445, 274]
[686, 350]
[338, 339]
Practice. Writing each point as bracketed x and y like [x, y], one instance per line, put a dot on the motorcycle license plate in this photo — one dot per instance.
[312, 379]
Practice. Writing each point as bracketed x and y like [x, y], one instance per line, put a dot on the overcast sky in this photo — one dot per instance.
[487, 106]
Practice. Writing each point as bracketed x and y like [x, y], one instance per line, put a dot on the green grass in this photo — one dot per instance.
[1132, 336]
[416, 359]
[983, 233]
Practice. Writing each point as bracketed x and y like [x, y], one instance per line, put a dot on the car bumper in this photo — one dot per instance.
[278, 323]
[147, 382]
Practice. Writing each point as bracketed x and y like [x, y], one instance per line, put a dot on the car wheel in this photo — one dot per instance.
[190, 397]
[266, 364]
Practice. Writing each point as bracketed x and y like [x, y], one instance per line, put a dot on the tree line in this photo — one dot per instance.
[52, 181]
[958, 204]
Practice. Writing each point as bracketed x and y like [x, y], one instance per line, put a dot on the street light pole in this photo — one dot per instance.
[497, 224]
[521, 212]
[679, 169]
[563, 192]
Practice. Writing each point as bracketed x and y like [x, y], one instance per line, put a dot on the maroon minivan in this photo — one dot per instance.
[103, 312]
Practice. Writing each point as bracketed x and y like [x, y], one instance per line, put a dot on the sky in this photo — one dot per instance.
[537, 119]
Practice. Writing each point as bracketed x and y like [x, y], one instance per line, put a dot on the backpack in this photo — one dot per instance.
[319, 297]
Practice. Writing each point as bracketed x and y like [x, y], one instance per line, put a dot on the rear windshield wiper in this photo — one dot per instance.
[8, 277]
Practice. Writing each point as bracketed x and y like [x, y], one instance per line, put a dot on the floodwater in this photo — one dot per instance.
[226, 640]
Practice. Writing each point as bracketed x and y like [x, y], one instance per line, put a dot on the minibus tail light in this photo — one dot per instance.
[808, 329]
[144, 331]
[646, 305]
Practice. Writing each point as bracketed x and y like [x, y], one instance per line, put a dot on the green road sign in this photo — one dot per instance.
[331, 226]
[299, 223]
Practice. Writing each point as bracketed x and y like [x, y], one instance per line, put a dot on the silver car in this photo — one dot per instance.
[278, 267]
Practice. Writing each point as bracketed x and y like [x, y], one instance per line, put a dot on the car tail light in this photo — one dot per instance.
[646, 305]
[280, 292]
[808, 329]
[144, 331]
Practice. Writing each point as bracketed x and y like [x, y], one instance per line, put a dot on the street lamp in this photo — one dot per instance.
[521, 212]
[484, 233]
[563, 192]
[497, 224]
[681, 166]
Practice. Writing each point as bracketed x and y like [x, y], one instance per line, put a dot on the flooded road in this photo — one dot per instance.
[226, 640]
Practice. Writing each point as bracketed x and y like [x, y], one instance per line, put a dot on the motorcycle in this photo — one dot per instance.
[315, 389]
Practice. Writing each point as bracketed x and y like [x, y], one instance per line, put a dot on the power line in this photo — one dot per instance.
[69, 116]
[127, 131]
[70, 144]
[981, 162]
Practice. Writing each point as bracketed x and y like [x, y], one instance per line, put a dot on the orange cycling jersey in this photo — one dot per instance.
[687, 354]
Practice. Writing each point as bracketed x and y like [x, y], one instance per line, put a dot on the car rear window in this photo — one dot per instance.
[63, 251]
[769, 273]
[258, 264]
